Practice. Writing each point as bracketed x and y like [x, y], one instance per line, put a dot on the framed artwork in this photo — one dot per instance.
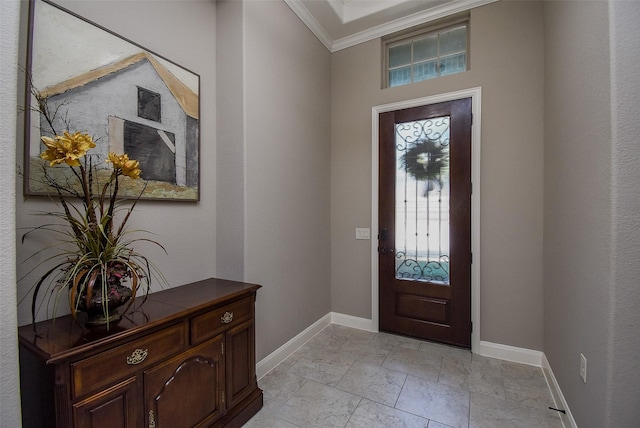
[129, 99]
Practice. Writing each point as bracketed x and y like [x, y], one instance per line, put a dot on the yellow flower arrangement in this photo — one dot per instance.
[68, 148]
[95, 257]
[130, 168]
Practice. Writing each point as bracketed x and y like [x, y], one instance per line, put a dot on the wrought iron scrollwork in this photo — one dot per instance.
[409, 133]
[422, 200]
[412, 268]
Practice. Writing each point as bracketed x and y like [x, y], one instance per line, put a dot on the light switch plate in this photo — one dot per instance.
[363, 233]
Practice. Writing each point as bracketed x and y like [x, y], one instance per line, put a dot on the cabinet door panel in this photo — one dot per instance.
[115, 407]
[197, 374]
[241, 363]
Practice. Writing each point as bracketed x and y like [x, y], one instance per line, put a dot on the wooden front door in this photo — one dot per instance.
[424, 246]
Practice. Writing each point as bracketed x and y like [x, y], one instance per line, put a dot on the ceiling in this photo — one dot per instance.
[339, 24]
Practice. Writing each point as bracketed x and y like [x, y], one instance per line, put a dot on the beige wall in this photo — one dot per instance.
[286, 105]
[507, 62]
[624, 380]
[592, 202]
[230, 125]
[577, 195]
[9, 35]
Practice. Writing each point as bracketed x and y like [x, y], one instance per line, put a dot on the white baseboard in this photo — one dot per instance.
[533, 358]
[354, 322]
[556, 393]
[509, 353]
[268, 363]
[487, 349]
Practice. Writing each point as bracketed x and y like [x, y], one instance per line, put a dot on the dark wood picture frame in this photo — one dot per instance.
[129, 99]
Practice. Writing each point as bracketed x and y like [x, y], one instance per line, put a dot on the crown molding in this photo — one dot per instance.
[399, 24]
[308, 19]
[408, 21]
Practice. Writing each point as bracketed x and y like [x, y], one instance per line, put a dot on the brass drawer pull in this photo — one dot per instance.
[152, 420]
[227, 317]
[137, 357]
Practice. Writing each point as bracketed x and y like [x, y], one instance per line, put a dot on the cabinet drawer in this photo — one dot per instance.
[212, 323]
[123, 361]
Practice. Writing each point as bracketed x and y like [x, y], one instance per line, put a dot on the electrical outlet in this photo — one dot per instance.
[583, 368]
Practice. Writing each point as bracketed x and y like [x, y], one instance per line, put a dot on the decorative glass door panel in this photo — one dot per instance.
[424, 222]
[422, 200]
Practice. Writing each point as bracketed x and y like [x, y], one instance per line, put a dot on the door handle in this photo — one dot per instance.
[383, 234]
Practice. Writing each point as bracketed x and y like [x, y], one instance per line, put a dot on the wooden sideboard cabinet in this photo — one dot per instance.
[185, 358]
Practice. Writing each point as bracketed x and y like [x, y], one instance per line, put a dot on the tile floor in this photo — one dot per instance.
[351, 378]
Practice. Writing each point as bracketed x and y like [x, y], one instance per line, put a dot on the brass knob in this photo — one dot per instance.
[227, 317]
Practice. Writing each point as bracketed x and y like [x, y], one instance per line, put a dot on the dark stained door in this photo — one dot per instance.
[424, 246]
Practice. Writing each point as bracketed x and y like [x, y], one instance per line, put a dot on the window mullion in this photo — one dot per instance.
[412, 61]
[429, 52]
[438, 60]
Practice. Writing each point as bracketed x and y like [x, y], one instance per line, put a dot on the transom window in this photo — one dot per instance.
[426, 55]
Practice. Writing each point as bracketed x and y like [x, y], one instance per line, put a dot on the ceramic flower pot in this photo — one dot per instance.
[100, 299]
[117, 296]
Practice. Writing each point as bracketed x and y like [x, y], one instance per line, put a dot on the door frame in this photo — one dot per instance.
[475, 94]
